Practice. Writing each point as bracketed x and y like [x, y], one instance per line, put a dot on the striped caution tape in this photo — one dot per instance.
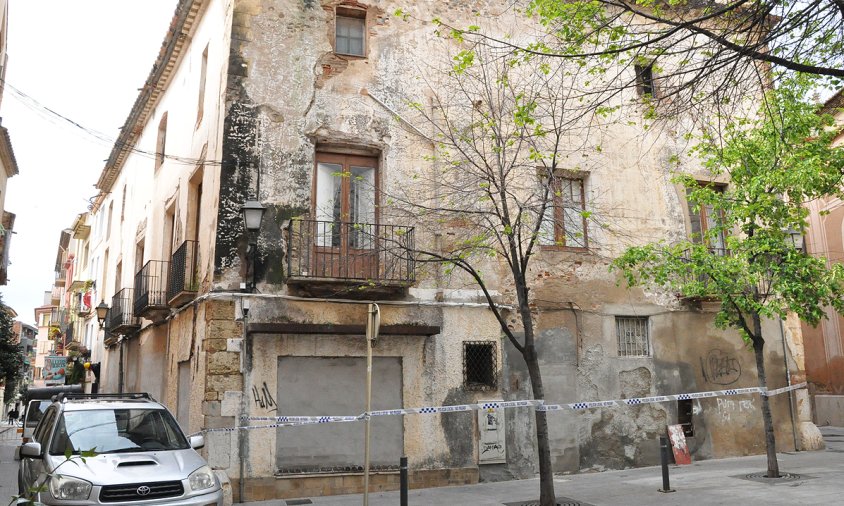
[292, 421]
[777, 391]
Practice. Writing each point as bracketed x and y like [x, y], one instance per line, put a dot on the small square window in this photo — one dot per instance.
[350, 32]
[633, 338]
[645, 79]
[480, 365]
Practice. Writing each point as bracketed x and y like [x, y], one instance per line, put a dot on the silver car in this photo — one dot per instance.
[140, 455]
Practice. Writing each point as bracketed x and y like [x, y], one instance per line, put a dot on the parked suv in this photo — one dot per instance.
[141, 455]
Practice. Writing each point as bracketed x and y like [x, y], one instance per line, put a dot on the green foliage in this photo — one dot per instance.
[800, 36]
[29, 496]
[774, 164]
[11, 354]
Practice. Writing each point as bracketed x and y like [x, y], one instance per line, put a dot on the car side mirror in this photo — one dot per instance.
[31, 450]
[197, 442]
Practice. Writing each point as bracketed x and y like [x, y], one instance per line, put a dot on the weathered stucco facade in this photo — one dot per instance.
[824, 350]
[274, 98]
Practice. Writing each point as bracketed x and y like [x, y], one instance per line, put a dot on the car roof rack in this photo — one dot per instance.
[125, 396]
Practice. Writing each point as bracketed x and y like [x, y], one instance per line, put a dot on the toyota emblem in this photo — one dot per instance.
[143, 490]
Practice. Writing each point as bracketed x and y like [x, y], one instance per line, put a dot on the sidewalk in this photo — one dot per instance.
[820, 481]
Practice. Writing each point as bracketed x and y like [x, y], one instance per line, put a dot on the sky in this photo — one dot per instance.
[84, 60]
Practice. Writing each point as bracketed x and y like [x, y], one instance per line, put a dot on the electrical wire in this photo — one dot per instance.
[52, 115]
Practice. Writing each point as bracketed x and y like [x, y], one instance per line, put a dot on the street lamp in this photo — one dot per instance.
[102, 311]
[796, 239]
[253, 213]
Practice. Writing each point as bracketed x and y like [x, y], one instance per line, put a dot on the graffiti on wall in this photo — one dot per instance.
[720, 367]
[728, 407]
[263, 398]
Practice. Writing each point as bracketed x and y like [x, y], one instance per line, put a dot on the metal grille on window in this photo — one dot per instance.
[480, 365]
[633, 339]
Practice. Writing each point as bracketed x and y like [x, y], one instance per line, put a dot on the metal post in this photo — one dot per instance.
[120, 368]
[663, 447]
[372, 323]
[245, 352]
[403, 481]
[788, 383]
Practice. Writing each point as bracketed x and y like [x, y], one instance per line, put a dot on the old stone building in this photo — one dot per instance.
[297, 106]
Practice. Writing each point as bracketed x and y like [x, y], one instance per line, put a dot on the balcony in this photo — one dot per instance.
[323, 254]
[121, 319]
[703, 279]
[183, 281]
[61, 280]
[55, 296]
[60, 319]
[151, 291]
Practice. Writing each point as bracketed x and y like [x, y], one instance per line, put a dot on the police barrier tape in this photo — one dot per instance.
[291, 421]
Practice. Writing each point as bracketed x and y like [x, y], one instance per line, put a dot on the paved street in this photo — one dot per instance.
[821, 481]
[705, 483]
[9, 438]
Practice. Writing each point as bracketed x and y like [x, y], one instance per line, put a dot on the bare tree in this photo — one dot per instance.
[508, 140]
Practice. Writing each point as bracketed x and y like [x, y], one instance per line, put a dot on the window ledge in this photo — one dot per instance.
[571, 249]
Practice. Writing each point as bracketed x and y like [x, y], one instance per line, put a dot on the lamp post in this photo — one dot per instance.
[252, 212]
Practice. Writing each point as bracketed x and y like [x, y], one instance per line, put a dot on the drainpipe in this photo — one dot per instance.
[788, 383]
[120, 367]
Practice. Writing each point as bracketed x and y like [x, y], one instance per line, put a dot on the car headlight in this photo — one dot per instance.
[69, 488]
[202, 478]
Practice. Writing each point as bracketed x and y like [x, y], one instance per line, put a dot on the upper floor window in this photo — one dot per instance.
[203, 71]
[161, 142]
[645, 79]
[564, 222]
[108, 223]
[707, 223]
[350, 31]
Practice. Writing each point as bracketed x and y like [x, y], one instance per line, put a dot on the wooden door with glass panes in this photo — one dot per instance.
[345, 233]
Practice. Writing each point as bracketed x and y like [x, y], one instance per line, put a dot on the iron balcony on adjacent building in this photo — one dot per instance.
[182, 283]
[121, 317]
[150, 300]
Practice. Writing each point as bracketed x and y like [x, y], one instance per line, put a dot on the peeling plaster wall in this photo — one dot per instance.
[431, 374]
[275, 92]
[287, 93]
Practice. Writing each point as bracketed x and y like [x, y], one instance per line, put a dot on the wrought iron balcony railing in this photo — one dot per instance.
[183, 282]
[703, 278]
[121, 318]
[356, 252]
[151, 290]
[60, 319]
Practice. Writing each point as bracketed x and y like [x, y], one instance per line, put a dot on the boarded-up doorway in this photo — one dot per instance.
[309, 386]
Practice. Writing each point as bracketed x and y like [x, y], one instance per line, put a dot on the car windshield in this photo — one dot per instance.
[117, 430]
[35, 411]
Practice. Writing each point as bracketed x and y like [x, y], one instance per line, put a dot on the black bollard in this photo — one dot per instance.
[663, 454]
[403, 480]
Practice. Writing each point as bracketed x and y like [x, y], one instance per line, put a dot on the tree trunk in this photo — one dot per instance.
[546, 475]
[770, 442]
